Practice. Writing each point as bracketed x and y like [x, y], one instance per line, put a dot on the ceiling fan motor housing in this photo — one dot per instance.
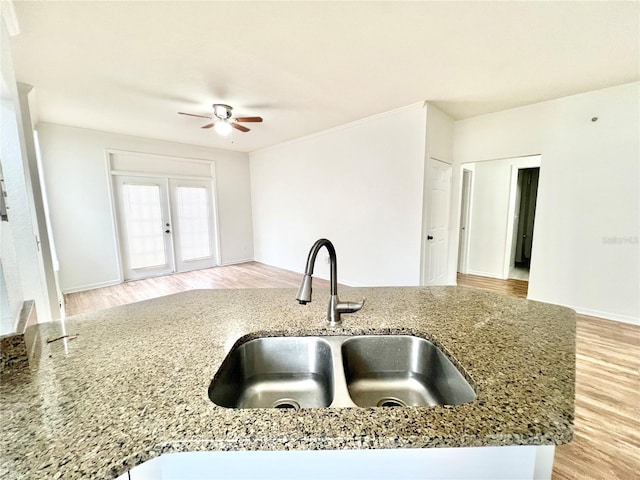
[222, 111]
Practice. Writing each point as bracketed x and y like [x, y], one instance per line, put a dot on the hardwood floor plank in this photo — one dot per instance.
[606, 444]
[245, 275]
[511, 287]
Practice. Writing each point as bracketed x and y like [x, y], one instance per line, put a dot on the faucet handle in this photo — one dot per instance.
[337, 308]
[349, 307]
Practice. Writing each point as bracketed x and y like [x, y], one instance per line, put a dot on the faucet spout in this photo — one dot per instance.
[304, 293]
[336, 307]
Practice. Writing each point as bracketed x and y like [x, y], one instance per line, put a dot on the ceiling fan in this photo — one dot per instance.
[223, 121]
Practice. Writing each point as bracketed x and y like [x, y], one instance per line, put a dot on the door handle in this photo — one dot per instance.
[429, 237]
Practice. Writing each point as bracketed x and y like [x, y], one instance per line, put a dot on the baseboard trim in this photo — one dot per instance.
[607, 315]
[341, 281]
[322, 276]
[92, 286]
[236, 262]
[616, 317]
[484, 274]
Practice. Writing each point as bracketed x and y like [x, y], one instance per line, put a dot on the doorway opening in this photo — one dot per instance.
[525, 213]
[164, 213]
[497, 215]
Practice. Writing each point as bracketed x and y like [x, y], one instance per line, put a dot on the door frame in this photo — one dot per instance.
[110, 172]
[532, 161]
[466, 188]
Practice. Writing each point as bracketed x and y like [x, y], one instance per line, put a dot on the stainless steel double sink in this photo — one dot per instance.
[338, 371]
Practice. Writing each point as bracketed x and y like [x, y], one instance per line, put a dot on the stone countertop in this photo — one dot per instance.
[133, 384]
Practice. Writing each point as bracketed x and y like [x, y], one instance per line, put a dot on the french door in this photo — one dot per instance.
[165, 225]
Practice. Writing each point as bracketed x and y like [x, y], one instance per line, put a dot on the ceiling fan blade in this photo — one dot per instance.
[248, 119]
[242, 128]
[194, 115]
[209, 125]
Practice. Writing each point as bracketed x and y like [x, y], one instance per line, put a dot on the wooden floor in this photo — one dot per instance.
[607, 428]
[606, 443]
[244, 275]
[511, 287]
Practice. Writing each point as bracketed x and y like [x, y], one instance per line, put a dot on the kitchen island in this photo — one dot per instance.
[133, 385]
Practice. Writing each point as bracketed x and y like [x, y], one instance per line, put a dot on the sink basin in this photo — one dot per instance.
[338, 371]
[399, 370]
[278, 372]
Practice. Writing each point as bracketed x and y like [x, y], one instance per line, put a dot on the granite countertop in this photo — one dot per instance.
[133, 384]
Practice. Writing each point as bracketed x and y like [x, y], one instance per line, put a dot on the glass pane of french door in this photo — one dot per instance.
[192, 204]
[191, 208]
[143, 217]
[144, 226]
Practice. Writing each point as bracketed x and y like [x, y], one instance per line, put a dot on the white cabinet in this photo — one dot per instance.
[151, 470]
[477, 463]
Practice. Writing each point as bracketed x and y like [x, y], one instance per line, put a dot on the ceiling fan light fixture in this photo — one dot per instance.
[223, 128]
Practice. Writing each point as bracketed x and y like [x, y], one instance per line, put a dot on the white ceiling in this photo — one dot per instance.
[129, 67]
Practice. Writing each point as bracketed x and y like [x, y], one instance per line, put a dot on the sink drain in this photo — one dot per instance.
[391, 402]
[287, 403]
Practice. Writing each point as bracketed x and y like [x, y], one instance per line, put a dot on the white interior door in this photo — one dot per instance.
[144, 225]
[191, 209]
[438, 192]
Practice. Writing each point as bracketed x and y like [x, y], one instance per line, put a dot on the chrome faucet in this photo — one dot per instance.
[336, 307]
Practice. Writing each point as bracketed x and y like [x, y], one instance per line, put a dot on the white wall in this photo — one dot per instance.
[439, 135]
[76, 177]
[359, 185]
[21, 264]
[439, 145]
[585, 250]
[11, 288]
[49, 309]
[491, 227]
